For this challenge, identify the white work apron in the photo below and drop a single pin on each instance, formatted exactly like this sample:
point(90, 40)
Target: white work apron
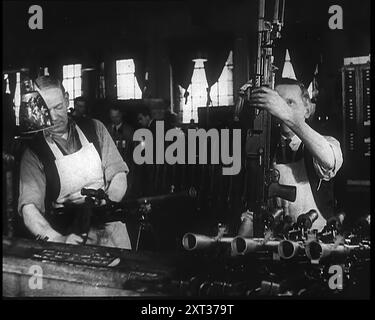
point(83, 169)
point(295, 174)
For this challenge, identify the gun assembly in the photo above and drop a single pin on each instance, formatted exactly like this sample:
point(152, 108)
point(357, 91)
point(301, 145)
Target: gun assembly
point(214, 235)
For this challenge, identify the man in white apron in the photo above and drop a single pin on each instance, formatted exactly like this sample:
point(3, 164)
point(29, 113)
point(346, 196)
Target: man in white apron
point(307, 159)
point(60, 162)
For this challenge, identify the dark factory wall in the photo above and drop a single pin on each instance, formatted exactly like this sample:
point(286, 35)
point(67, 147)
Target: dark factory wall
point(155, 33)
point(90, 32)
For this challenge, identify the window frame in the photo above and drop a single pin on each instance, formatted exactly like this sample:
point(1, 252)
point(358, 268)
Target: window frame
point(189, 110)
point(72, 93)
point(136, 89)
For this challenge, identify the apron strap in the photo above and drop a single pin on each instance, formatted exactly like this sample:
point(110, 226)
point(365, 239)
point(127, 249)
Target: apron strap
point(57, 152)
point(82, 137)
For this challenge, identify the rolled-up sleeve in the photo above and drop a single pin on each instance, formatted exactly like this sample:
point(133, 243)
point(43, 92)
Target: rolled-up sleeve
point(112, 161)
point(327, 174)
point(32, 186)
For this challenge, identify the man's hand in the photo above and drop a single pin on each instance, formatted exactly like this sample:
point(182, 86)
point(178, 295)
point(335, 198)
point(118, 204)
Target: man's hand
point(73, 239)
point(70, 239)
point(267, 99)
point(288, 105)
point(73, 198)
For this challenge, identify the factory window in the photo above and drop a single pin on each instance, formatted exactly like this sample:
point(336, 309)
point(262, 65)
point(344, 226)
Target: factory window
point(72, 81)
point(288, 71)
point(221, 92)
point(17, 98)
point(17, 94)
point(310, 90)
point(197, 93)
point(313, 87)
point(127, 84)
point(6, 82)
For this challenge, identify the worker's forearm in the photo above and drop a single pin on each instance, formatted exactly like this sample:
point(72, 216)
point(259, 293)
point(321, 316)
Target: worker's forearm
point(117, 187)
point(37, 224)
point(315, 143)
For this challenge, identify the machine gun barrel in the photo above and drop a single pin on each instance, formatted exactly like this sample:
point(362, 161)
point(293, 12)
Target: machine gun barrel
point(288, 249)
point(317, 251)
point(191, 193)
point(243, 246)
point(97, 214)
point(193, 241)
point(257, 122)
point(100, 194)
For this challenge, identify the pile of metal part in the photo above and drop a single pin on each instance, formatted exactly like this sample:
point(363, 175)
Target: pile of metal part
point(290, 260)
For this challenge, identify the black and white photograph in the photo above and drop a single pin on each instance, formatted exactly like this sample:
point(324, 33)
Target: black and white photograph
point(200, 152)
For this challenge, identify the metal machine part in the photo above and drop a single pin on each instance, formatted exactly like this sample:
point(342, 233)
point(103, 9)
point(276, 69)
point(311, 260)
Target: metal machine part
point(34, 113)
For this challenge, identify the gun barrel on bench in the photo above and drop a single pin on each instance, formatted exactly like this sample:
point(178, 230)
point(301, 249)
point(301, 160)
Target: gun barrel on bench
point(193, 241)
point(288, 249)
point(316, 250)
point(243, 246)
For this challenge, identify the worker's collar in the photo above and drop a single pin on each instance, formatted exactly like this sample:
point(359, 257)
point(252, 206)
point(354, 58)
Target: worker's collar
point(118, 125)
point(50, 137)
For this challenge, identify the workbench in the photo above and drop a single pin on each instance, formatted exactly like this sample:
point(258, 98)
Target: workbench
point(61, 279)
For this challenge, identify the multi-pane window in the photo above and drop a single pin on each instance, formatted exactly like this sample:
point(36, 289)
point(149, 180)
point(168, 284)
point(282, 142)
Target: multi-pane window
point(221, 92)
point(72, 79)
point(127, 84)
